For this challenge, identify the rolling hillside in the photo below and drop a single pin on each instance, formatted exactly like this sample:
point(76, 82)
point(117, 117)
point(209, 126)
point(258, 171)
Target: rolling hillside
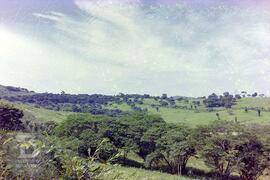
point(183, 111)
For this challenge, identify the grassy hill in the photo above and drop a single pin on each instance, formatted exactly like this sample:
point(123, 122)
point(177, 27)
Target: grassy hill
point(182, 112)
point(202, 116)
point(39, 114)
point(125, 173)
point(118, 172)
point(14, 91)
point(172, 115)
point(258, 102)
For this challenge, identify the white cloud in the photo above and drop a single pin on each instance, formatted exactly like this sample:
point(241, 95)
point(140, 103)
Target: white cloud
point(39, 66)
point(132, 48)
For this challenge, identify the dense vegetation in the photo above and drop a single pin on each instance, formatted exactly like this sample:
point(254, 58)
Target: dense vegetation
point(227, 100)
point(83, 103)
point(85, 146)
point(225, 146)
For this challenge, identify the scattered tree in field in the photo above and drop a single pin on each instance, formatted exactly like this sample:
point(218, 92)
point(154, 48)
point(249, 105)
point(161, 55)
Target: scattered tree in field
point(163, 103)
point(243, 94)
point(246, 109)
point(227, 100)
point(238, 96)
point(164, 96)
point(197, 103)
point(259, 112)
point(212, 101)
point(171, 101)
point(218, 117)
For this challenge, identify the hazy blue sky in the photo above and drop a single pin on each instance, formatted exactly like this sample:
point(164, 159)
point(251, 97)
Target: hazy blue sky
point(181, 47)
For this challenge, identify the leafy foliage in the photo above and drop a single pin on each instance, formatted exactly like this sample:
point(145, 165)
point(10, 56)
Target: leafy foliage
point(174, 148)
point(227, 100)
point(124, 132)
point(10, 118)
point(251, 159)
point(227, 146)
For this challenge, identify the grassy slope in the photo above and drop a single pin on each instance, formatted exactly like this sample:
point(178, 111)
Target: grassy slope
point(5, 92)
point(201, 117)
point(125, 173)
point(254, 103)
point(39, 114)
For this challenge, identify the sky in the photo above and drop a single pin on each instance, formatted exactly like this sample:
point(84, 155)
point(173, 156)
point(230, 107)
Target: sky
point(178, 47)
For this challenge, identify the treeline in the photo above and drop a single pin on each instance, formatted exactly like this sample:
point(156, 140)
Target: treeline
point(74, 103)
point(83, 103)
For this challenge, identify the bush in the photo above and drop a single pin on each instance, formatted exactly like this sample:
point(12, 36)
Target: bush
point(10, 118)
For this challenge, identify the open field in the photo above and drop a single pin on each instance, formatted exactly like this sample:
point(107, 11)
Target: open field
point(259, 102)
point(202, 117)
point(125, 173)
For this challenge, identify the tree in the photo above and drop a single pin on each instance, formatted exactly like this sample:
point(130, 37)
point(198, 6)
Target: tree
point(227, 100)
point(148, 143)
point(244, 94)
point(197, 103)
point(259, 112)
point(213, 101)
point(235, 119)
point(238, 96)
point(251, 159)
point(254, 94)
point(217, 114)
point(216, 144)
point(164, 96)
point(225, 94)
point(164, 103)
point(173, 151)
point(226, 146)
point(220, 155)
